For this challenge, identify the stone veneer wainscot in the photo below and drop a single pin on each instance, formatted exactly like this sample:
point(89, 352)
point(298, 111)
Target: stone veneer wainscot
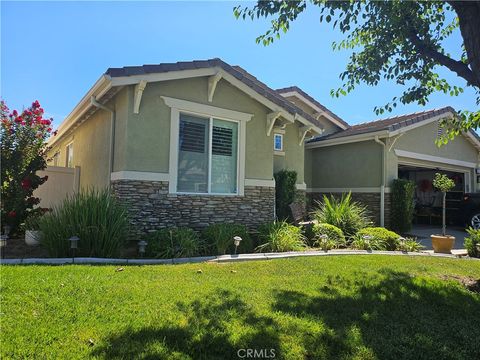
point(151, 207)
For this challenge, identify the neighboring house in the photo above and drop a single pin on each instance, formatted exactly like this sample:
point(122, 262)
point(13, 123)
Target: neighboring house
point(186, 144)
point(194, 143)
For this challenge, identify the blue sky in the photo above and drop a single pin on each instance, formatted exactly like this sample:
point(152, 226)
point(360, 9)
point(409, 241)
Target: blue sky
point(55, 51)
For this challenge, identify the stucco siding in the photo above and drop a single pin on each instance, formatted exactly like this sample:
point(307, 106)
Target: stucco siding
point(346, 165)
point(294, 154)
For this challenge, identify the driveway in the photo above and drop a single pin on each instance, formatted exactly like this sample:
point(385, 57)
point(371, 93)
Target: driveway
point(423, 232)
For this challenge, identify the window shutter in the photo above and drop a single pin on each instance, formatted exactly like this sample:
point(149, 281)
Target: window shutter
point(222, 141)
point(192, 136)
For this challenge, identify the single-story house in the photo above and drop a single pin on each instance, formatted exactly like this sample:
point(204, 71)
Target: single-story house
point(194, 143)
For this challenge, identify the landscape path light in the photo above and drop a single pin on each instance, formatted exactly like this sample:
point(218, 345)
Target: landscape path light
point(74, 245)
point(236, 242)
point(142, 246)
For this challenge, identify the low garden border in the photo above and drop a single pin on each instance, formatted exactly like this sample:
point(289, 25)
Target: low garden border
point(218, 259)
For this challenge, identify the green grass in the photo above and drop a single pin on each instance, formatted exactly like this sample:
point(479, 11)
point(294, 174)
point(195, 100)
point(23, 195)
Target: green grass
point(362, 307)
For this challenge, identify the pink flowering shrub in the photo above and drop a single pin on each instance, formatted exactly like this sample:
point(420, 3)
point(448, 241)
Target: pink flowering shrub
point(23, 149)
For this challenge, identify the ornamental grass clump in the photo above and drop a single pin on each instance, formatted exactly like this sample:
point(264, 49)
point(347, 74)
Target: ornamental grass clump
point(386, 239)
point(219, 239)
point(280, 236)
point(95, 216)
point(344, 213)
point(173, 243)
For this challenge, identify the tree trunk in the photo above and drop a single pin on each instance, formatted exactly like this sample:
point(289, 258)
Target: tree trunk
point(444, 222)
point(468, 13)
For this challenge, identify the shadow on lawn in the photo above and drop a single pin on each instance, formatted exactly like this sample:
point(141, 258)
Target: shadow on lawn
point(209, 327)
point(395, 318)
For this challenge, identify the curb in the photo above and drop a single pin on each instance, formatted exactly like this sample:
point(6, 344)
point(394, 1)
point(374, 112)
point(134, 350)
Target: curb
point(218, 259)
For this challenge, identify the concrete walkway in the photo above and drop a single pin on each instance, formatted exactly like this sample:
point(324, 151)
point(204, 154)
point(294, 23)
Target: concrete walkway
point(423, 232)
point(224, 258)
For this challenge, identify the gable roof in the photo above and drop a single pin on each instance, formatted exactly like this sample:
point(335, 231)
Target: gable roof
point(389, 124)
point(236, 71)
point(295, 89)
point(115, 78)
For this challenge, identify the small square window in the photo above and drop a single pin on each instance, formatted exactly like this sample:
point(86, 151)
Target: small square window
point(69, 156)
point(278, 142)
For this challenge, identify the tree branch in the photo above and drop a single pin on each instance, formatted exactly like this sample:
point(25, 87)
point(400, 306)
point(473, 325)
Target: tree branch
point(460, 68)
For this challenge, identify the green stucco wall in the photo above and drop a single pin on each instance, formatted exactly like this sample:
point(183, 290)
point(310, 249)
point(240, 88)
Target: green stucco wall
point(345, 166)
point(294, 153)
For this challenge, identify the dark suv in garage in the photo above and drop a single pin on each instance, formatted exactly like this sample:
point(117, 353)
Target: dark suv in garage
point(470, 210)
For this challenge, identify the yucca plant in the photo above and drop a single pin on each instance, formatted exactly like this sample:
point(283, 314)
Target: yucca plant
point(344, 213)
point(95, 216)
point(410, 245)
point(280, 236)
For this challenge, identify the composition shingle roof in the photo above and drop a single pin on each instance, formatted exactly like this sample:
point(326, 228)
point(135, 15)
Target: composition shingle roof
point(236, 71)
point(314, 101)
point(390, 124)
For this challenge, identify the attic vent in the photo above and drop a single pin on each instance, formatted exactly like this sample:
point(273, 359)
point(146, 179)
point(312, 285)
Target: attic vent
point(192, 136)
point(439, 130)
point(222, 141)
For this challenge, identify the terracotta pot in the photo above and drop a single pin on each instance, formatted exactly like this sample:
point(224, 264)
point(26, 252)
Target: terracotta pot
point(32, 237)
point(442, 244)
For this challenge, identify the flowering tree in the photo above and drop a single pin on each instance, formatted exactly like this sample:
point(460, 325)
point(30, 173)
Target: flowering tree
point(23, 148)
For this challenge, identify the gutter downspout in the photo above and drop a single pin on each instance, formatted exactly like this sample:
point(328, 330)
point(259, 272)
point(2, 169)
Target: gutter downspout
point(95, 103)
point(382, 186)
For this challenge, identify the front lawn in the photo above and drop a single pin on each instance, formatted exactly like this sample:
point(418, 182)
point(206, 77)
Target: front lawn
point(363, 307)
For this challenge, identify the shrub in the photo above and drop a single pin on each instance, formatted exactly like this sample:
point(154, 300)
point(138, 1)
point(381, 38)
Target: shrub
point(280, 236)
point(219, 239)
point(410, 245)
point(335, 237)
point(403, 192)
point(350, 216)
point(95, 216)
point(472, 242)
point(367, 242)
point(23, 143)
point(285, 186)
point(388, 239)
point(173, 243)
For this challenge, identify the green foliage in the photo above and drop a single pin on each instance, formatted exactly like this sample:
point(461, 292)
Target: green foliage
point(401, 41)
point(32, 222)
point(360, 242)
point(280, 236)
point(335, 237)
point(285, 186)
point(173, 243)
point(472, 242)
point(443, 183)
point(346, 214)
point(23, 147)
point(402, 207)
point(410, 245)
point(386, 238)
point(219, 239)
point(95, 216)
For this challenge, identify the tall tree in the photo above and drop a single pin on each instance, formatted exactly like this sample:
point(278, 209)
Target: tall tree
point(395, 40)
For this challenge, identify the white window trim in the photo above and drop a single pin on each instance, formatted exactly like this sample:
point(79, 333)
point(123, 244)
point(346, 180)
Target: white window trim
point(67, 154)
point(274, 148)
point(178, 106)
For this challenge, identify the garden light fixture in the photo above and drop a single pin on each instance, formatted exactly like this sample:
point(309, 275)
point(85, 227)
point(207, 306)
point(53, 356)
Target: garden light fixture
point(142, 245)
point(73, 245)
point(236, 242)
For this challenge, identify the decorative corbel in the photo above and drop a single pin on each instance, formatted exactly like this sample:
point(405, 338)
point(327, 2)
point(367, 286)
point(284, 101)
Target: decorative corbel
point(271, 117)
point(138, 95)
point(318, 114)
point(302, 132)
point(212, 85)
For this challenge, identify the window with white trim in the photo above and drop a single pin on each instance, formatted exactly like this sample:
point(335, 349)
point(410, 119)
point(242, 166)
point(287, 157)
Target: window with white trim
point(278, 142)
point(207, 155)
point(69, 155)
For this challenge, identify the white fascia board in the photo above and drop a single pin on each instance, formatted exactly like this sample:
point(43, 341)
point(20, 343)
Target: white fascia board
point(101, 86)
point(473, 139)
point(203, 109)
point(436, 159)
point(165, 76)
point(348, 139)
point(312, 126)
point(314, 107)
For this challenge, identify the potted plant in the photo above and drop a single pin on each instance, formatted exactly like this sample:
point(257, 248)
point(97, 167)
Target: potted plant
point(443, 243)
point(32, 229)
